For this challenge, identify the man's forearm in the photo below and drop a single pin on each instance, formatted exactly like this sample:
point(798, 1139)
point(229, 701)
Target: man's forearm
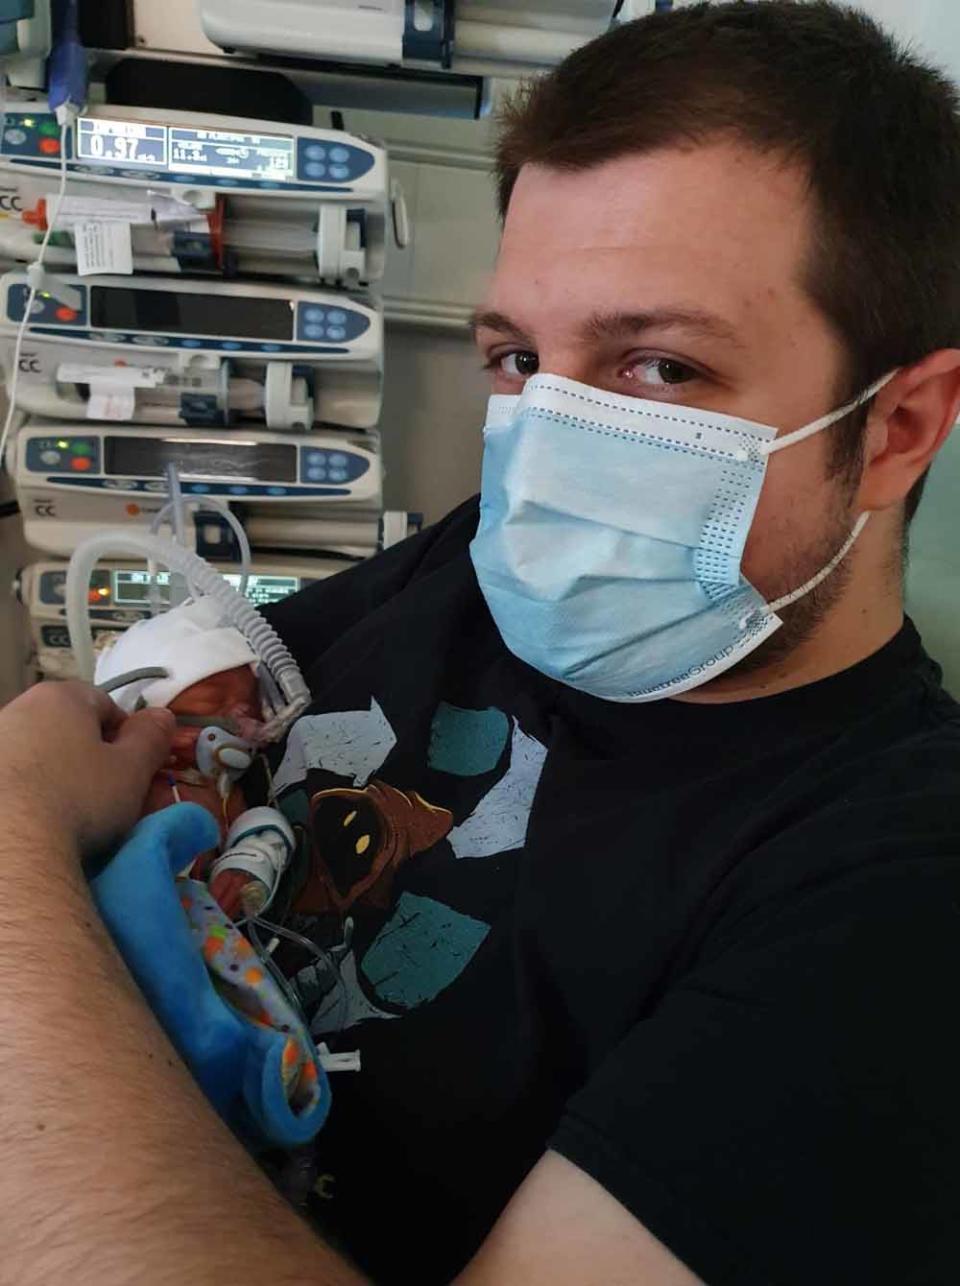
point(113, 1168)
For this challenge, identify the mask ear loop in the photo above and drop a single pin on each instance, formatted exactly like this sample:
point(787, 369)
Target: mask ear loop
point(808, 430)
point(788, 440)
point(771, 609)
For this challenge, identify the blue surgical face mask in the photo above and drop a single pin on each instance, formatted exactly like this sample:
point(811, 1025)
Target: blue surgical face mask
point(611, 535)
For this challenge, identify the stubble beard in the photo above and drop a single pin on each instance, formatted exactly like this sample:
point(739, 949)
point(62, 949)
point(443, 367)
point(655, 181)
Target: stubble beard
point(802, 619)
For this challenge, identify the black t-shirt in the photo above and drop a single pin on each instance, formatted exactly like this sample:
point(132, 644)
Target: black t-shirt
point(711, 954)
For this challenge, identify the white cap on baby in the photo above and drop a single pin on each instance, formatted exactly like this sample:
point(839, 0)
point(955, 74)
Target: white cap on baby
point(188, 641)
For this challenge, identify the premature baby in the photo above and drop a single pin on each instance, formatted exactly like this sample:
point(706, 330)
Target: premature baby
point(211, 685)
point(213, 689)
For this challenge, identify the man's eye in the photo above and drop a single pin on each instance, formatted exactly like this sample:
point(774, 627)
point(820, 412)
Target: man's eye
point(660, 371)
point(519, 365)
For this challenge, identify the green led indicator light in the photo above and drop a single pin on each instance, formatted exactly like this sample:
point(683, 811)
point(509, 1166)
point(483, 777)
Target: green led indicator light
point(62, 443)
point(28, 121)
point(82, 448)
point(49, 127)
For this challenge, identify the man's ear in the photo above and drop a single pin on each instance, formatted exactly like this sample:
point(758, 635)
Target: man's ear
point(908, 423)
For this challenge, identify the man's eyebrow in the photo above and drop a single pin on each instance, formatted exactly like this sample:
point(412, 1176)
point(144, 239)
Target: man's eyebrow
point(619, 325)
point(497, 321)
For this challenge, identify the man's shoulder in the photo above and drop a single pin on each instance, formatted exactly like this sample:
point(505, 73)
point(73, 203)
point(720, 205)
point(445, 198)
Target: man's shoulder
point(312, 620)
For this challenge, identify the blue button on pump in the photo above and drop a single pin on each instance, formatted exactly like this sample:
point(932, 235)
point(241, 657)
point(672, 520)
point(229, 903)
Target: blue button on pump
point(192, 343)
point(231, 344)
point(313, 332)
point(276, 491)
point(336, 332)
point(338, 475)
point(339, 173)
point(238, 491)
point(317, 152)
point(339, 460)
point(336, 316)
point(316, 475)
point(269, 348)
point(313, 314)
point(314, 170)
point(339, 154)
point(197, 488)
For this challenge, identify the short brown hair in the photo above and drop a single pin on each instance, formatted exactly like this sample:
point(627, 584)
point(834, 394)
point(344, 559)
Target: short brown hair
point(877, 131)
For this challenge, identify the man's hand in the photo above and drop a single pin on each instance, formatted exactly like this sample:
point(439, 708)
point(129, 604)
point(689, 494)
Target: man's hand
point(74, 769)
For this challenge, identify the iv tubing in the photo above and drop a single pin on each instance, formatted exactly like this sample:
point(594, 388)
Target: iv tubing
point(236, 526)
point(277, 663)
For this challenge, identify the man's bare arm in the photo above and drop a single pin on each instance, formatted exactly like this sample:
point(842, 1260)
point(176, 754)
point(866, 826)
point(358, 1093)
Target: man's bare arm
point(113, 1168)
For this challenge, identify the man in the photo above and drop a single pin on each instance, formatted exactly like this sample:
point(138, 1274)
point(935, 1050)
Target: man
point(646, 990)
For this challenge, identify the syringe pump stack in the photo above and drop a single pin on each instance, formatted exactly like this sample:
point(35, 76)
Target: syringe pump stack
point(208, 303)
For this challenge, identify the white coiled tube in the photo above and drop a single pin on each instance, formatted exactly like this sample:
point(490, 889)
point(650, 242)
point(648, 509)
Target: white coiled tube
point(289, 694)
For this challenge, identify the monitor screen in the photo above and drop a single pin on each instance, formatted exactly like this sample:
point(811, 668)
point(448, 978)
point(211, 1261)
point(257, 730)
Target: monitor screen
point(143, 457)
point(133, 588)
point(174, 312)
point(223, 153)
point(120, 142)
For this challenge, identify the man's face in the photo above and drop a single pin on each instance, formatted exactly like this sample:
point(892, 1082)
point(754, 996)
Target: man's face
point(676, 276)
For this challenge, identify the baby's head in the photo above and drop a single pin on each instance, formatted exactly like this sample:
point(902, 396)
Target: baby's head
point(211, 673)
point(230, 695)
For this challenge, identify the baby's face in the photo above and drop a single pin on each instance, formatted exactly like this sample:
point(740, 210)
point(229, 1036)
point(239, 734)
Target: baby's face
point(228, 693)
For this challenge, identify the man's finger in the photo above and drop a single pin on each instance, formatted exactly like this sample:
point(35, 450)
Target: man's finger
point(108, 714)
point(143, 743)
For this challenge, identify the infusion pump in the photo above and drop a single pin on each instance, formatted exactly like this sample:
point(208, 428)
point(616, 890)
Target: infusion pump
point(73, 480)
point(201, 193)
point(120, 595)
point(172, 351)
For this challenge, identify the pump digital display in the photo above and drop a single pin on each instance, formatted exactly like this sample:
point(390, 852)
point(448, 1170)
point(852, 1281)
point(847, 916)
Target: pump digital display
point(179, 313)
point(132, 589)
point(243, 156)
point(121, 142)
point(142, 457)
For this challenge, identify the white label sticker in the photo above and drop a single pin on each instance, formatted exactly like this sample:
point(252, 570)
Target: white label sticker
point(103, 247)
point(110, 377)
point(81, 209)
point(168, 211)
point(108, 402)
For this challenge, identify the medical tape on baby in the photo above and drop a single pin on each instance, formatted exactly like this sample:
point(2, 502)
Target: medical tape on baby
point(207, 721)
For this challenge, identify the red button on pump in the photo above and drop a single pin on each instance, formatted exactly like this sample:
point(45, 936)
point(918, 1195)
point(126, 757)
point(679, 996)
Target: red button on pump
point(81, 463)
point(66, 314)
point(51, 146)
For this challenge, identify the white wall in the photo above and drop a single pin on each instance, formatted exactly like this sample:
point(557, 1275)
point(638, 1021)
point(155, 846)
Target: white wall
point(432, 421)
point(933, 573)
point(434, 389)
point(932, 27)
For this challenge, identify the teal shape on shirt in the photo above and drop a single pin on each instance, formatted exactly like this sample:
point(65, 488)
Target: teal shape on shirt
point(466, 743)
point(421, 951)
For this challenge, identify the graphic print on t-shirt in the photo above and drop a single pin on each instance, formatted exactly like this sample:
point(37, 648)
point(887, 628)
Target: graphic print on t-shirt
point(368, 947)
